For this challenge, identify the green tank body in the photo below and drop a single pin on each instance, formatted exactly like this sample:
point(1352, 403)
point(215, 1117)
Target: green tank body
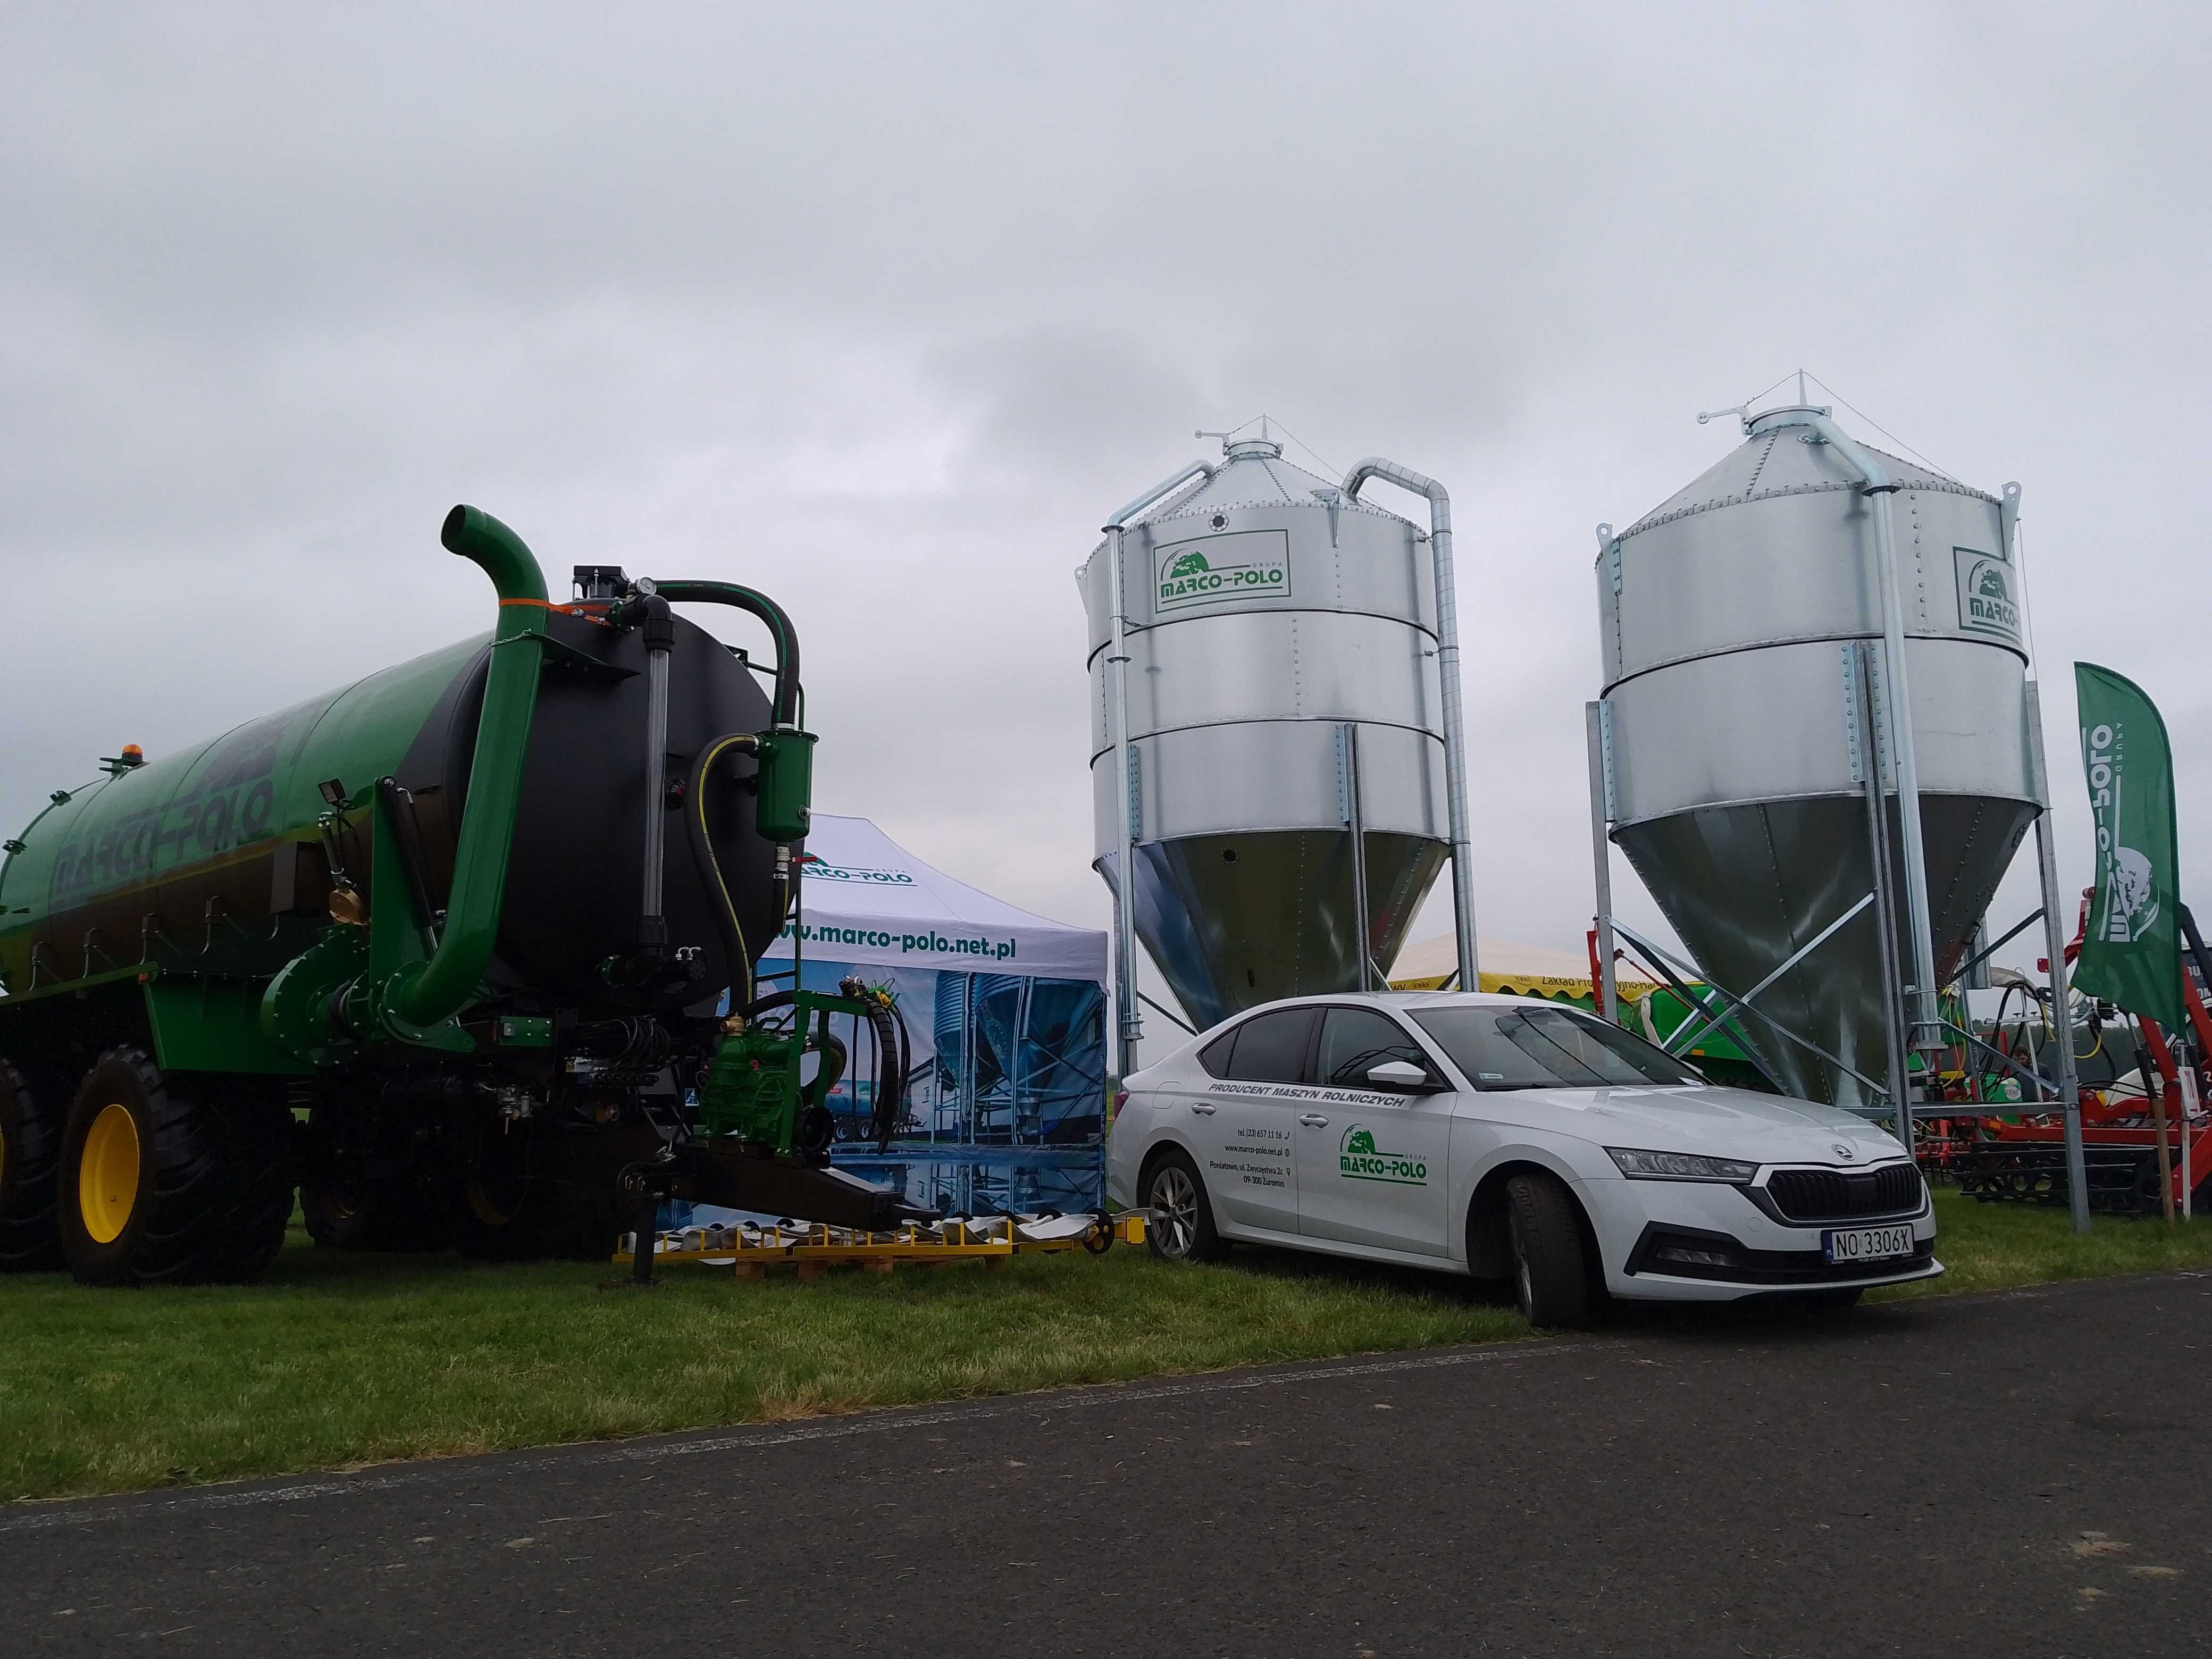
point(205, 827)
point(446, 951)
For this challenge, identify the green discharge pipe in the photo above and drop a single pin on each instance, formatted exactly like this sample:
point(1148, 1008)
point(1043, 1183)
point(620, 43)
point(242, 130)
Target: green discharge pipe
point(443, 987)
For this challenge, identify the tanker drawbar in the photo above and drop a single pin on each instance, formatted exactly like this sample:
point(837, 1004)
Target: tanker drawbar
point(467, 952)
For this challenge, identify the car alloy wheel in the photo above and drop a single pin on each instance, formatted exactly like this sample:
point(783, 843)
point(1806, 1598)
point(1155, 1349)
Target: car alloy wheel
point(1174, 1212)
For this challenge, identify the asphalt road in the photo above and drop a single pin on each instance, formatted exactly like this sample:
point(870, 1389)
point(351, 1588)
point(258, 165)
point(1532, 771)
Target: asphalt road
point(2000, 1474)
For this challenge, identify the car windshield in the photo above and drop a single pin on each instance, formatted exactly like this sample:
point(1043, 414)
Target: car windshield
point(1547, 1048)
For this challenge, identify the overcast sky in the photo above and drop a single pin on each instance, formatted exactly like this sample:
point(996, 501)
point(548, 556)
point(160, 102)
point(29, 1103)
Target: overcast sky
point(882, 308)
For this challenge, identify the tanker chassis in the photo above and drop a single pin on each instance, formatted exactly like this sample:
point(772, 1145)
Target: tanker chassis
point(446, 952)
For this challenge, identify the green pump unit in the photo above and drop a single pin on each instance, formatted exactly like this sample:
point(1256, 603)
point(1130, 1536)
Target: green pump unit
point(467, 952)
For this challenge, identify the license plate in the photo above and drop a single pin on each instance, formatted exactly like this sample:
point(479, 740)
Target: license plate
point(1845, 1245)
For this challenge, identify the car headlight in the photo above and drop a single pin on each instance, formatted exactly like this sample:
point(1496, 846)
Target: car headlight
point(1677, 1166)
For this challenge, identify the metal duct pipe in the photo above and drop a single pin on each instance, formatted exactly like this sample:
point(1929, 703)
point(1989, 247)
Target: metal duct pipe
point(1875, 481)
point(1129, 1025)
point(1440, 545)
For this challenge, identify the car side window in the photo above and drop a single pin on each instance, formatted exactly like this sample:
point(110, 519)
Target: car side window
point(1272, 1047)
point(1214, 1057)
point(1352, 1040)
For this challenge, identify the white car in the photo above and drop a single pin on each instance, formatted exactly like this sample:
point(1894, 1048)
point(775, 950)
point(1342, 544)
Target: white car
point(1509, 1138)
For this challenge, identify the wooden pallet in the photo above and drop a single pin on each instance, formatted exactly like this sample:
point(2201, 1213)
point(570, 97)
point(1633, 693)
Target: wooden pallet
point(811, 1252)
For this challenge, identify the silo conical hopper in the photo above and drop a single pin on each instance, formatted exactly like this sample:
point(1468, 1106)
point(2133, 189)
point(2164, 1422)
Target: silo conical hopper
point(1731, 619)
point(1283, 688)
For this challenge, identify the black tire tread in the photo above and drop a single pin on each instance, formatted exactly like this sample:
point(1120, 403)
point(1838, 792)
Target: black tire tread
point(264, 1180)
point(208, 1185)
point(1545, 1232)
point(33, 1109)
point(394, 1216)
point(556, 1220)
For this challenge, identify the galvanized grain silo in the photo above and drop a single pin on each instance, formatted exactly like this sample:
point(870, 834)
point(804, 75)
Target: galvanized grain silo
point(1283, 779)
point(1741, 623)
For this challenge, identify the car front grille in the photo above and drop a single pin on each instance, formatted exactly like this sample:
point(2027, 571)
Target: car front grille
point(1846, 1194)
point(1683, 1253)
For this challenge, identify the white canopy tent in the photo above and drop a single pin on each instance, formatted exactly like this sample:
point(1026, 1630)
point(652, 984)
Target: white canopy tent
point(867, 900)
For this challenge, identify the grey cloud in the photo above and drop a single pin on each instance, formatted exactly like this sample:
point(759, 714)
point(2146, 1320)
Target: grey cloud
point(883, 307)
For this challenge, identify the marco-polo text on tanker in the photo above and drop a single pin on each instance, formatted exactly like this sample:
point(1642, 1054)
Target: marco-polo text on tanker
point(446, 949)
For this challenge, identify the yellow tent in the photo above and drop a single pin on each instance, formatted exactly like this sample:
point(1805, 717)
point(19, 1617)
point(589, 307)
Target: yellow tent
point(1518, 970)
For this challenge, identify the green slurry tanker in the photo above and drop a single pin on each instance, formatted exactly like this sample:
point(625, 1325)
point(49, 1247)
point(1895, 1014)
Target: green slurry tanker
point(464, 953)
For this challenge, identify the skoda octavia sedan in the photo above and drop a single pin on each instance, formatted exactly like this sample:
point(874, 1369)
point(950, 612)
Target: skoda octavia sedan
point(1511, 1140)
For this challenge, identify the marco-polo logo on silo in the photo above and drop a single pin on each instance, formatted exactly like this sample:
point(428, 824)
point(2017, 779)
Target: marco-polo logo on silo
point(1987, 603)
point(1244, 564)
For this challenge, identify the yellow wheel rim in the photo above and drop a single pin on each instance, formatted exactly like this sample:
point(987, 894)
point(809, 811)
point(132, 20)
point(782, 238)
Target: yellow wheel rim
point(488, 1209)
point(108, 1176)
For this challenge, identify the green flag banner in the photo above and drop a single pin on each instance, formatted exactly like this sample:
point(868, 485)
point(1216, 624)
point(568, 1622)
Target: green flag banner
point(2131, 948)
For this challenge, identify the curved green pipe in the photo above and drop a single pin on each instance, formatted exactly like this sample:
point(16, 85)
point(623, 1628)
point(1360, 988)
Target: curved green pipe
point(443, 987)
point(754, 602)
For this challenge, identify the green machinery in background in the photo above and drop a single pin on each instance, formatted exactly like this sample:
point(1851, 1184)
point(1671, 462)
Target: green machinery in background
point(464, 952)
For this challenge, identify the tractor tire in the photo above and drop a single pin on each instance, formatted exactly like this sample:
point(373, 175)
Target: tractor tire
point(264, 1179)
point(32, 1117)
point(373, 1215)
point(589, 1223)
point(496, 1221)
point(155, 1186)
point(1551, 1268)
point(543, 1220)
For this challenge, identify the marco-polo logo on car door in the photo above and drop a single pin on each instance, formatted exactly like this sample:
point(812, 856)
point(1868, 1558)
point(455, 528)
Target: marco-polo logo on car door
point(1243, 564)
point(1360, 1158)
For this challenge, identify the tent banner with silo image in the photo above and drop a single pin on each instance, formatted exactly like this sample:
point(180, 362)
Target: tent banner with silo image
point(1004, 1013)
point(2131, 948)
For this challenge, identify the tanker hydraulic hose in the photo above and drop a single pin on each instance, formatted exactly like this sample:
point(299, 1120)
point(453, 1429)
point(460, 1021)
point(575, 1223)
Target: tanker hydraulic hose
point(727, 925)
point(756, 604)
point(443, 987)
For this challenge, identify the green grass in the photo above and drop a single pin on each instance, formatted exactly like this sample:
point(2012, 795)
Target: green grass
point(337, 1361)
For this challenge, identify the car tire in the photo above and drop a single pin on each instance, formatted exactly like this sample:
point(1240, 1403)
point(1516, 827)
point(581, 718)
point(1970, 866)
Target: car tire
point(1181, 1227)
point(1550, 1266)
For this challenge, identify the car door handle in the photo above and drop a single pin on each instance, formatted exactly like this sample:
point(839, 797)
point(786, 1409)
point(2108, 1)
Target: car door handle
point(1314, 1121)
point(1202, 1108)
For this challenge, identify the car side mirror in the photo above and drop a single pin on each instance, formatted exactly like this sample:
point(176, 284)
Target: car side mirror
point(1398, 1074)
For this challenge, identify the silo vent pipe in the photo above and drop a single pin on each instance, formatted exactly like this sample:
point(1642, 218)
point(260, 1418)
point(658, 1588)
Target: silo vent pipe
point(1440, 546)
point(1129, 1024)
point(1926, 1028)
